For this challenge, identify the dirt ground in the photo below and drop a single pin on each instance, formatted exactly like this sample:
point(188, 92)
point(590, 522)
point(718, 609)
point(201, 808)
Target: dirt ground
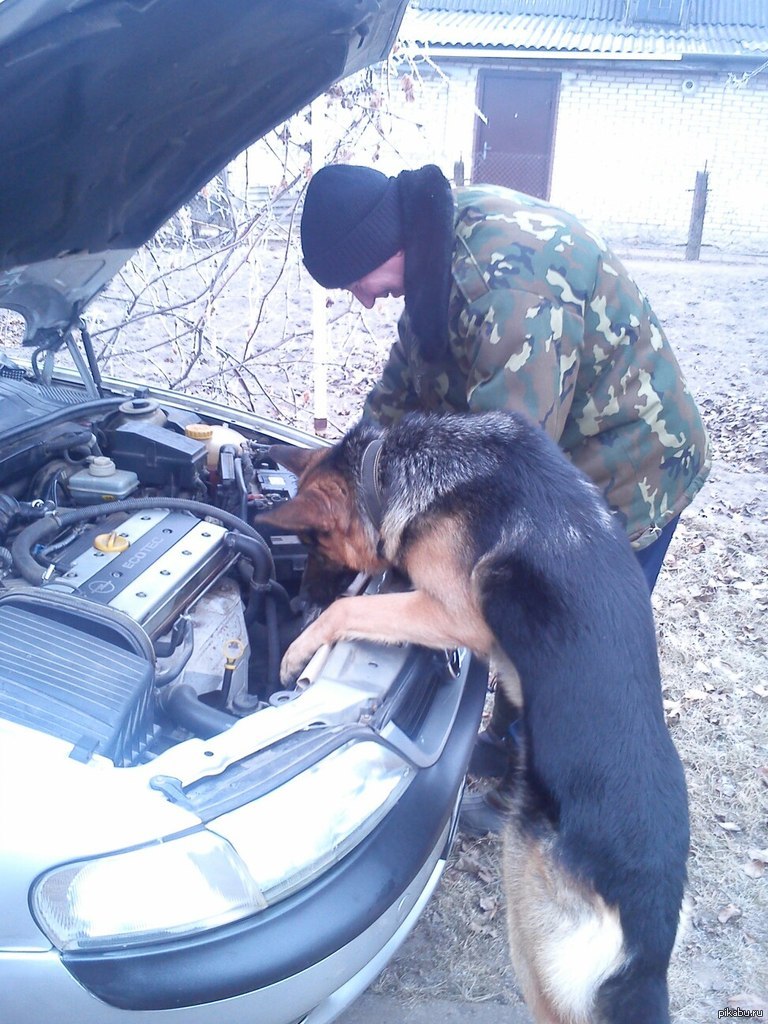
point(710, 601)
point(710, 606)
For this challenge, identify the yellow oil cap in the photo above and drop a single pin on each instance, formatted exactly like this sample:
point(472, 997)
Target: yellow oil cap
point(111, 542)
point(199, 431)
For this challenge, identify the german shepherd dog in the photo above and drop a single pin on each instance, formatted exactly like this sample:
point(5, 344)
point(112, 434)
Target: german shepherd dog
point(512, 553)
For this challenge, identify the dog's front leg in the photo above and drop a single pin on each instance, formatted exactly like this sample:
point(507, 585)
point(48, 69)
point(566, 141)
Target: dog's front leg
point(411, 617)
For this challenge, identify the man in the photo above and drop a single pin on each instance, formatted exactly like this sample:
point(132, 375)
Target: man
point(511, 303)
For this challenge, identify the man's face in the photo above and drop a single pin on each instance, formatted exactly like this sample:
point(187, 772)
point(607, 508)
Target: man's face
point(388, 279)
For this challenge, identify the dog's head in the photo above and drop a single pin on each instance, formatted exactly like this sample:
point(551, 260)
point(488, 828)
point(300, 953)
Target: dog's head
point(324, 514)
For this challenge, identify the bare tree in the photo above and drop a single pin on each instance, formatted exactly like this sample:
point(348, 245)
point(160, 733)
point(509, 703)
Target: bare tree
point(217, 303)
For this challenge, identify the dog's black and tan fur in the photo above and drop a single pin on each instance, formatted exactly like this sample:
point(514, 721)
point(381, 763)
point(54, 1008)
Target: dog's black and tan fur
point(512, 553)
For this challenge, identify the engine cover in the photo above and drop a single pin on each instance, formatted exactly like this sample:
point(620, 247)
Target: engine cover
point(153, 566)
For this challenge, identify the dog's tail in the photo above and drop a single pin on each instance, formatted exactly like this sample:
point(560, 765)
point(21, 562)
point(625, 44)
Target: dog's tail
point(578, 958)
point(651, 908)
point(637, 994)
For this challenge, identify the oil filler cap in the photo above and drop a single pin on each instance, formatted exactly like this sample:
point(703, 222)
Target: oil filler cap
point(199, 431)
point(111, 543)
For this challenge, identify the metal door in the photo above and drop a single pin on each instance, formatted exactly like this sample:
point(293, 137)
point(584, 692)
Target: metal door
point(515, 147)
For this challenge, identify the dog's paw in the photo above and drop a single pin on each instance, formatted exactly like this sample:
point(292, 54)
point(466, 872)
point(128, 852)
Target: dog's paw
point(315, 636)
point(294, 661)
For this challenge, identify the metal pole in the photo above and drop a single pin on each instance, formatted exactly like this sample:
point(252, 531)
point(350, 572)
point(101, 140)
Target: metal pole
point(319, 308)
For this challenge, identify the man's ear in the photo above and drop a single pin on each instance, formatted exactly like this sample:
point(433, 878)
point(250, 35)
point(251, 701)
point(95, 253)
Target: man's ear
point(294, 459)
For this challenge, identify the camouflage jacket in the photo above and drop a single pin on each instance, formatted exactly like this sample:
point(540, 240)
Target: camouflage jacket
point(543, 319)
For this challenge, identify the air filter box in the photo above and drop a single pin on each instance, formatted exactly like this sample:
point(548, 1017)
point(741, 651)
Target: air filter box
point(76, 671)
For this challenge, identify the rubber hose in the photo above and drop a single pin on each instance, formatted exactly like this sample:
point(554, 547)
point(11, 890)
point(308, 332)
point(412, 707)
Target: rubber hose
point(180, 703)
point(258, 554)
point(273, 645)
point(177, 662)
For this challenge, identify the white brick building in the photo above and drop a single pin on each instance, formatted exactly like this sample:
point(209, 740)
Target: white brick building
point(639, 101)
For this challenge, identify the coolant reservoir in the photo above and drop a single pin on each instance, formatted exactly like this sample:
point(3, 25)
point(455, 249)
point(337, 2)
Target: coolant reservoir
point(144, 409)
point(101, 481)
point(213, 436)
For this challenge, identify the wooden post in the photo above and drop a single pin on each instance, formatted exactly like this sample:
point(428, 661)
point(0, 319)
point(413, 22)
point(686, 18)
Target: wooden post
point(696, 228)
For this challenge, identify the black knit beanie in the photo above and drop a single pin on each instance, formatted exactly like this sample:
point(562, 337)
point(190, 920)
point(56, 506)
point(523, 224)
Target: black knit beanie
point(351, 223)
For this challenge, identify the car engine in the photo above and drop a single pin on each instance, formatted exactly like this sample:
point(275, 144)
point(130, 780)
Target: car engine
point(139, 605)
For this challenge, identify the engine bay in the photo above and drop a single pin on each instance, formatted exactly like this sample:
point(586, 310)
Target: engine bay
point(139, 604)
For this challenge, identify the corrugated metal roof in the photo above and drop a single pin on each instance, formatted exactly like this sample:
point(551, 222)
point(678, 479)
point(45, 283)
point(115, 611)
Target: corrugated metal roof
point(696, 12)
point(596, 35)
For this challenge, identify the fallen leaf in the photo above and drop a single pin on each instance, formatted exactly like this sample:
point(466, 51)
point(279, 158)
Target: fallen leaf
point(480, 927)
point(725, 670)
point(729, 913)
point(468, 864)
point(754, 868)
point(761, 855)
point(730, 826)
point(672, 709)
point(694, 695)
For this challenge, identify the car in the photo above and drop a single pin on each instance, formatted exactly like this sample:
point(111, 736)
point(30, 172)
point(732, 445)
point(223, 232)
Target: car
point(182, 838)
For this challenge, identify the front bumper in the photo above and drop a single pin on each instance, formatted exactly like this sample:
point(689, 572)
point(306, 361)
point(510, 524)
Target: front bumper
point(307, 957)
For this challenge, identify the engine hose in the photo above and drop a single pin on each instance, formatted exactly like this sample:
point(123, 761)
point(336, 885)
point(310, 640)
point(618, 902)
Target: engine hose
point(42, 531)
point(255, 609)
point(43, 480)
point(262, 603)
point(9, 509)
point(262, 606)
point(73, 439)
point(177, 662)
point(182, 706)
point(240, 477)
point(257, 553)
point(272, 644)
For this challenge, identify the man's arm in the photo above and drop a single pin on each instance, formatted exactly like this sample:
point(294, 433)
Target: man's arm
point(525, 352)
point(394, 394)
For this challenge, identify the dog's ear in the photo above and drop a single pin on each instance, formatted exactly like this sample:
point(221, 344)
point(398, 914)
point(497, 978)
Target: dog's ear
point(294, 459)
point(307, 512)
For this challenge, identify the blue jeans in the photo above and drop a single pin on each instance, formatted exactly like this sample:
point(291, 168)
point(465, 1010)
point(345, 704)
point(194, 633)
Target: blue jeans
point(651, 558)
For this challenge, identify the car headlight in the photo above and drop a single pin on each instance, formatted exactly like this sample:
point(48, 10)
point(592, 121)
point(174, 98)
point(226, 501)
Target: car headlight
point(292, 834)
point(242, 862)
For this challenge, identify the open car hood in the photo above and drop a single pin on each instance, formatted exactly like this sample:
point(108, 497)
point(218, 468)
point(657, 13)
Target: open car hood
point(115, 113)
